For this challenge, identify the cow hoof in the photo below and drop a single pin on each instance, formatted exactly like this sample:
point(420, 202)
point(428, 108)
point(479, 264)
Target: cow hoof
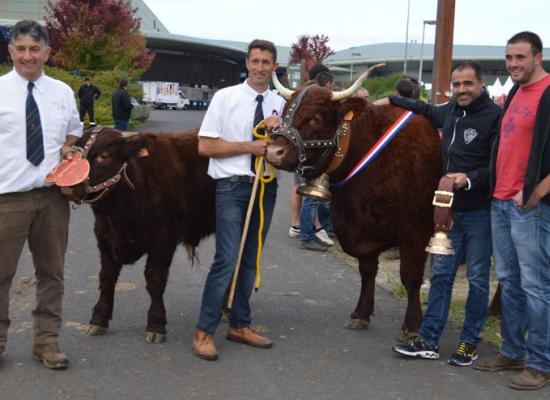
point(155, 337)
point(357, 324)
point(96, 330)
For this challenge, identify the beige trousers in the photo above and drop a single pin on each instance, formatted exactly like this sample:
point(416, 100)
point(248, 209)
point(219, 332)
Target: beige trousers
point(40, 216)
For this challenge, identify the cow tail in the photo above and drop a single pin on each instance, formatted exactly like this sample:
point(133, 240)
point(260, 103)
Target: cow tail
point(192, 254)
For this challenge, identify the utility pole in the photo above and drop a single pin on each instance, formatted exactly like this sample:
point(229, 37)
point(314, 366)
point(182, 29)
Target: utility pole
point(443, 52)
point(407, 38)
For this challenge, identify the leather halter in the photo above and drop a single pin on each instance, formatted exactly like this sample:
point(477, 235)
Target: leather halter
point(293, 136)
point(104, 187)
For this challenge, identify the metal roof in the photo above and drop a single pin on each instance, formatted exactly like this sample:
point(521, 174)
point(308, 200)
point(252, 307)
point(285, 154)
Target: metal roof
point(381, 52)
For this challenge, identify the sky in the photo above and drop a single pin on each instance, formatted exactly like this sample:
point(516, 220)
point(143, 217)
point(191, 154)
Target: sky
point(351, 23)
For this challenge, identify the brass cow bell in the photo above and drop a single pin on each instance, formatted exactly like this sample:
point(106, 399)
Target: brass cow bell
point(440, 244)
point(317, 188)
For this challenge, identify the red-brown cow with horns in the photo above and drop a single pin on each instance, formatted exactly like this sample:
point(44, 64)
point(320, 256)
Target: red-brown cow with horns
point(388, 203)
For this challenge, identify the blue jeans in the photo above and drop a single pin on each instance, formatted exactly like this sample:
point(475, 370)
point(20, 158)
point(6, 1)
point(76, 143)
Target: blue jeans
point(471, 237)
point(121, 124)
point(310, 207)
point(231, 205)
point(521, 239)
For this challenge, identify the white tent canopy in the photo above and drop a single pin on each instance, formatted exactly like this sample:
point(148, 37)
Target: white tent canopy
point(496, 89)
point(508, 85)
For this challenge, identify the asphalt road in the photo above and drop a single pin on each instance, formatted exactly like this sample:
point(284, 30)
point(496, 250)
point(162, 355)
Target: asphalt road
point(303, 304)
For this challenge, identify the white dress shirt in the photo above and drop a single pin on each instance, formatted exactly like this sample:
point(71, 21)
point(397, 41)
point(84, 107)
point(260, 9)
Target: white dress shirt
point(58, 115)
point(230, 116)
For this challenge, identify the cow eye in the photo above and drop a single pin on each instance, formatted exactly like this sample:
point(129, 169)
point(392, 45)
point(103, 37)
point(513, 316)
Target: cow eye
point(316, 121)
point(102, 157)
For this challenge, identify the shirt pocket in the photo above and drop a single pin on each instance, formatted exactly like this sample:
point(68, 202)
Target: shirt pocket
point(12, 120)
point(55, 120)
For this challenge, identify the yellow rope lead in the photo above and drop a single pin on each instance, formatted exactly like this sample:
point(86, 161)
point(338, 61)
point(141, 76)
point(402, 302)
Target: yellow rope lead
point(259, 169)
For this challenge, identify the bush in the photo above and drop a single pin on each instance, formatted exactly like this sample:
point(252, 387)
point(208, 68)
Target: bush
point(141, 112)
point(107, 83)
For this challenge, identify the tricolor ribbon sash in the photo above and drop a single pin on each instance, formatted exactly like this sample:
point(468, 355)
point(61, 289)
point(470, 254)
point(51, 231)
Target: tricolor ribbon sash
point(378, 146)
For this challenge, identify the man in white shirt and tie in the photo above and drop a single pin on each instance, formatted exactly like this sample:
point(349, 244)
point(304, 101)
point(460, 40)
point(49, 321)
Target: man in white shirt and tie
point(39, 122)
point(226, 137)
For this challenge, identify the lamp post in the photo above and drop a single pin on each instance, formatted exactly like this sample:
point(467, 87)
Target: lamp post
point(407, 39)
point(427, 22)
point(351, 65)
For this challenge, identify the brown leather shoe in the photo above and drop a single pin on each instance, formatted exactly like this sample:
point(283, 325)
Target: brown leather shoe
point(50, 355)
point(498, 362)
point(248, 336)
point(530, 379)
point(204, 346)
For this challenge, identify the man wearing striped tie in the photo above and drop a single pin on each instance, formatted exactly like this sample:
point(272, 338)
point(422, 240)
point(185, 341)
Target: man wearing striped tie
point(39, 123)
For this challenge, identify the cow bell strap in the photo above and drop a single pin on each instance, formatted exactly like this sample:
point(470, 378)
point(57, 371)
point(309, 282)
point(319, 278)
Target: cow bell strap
point(343, 135)
point(443, 202)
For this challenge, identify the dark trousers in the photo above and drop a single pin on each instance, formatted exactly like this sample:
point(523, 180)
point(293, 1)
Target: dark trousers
point(41, 218)
point(231, 206)
point(87, 108)
point(121, 124)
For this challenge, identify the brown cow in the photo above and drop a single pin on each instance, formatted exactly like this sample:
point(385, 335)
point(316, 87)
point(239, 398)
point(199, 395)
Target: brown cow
point(149, 193)
point(387, 204)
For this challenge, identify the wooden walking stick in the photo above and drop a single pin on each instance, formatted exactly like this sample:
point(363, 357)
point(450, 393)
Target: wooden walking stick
point(244, 234)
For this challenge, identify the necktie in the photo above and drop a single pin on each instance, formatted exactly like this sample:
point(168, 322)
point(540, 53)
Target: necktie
point(35, 141)
point(258, 117)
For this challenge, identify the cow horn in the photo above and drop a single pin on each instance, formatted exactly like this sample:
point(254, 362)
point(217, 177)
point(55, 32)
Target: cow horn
point(283, 91)
point(344, 94)
point(127, 134)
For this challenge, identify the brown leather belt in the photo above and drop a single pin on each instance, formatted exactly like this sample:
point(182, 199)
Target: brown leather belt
point(443, 202)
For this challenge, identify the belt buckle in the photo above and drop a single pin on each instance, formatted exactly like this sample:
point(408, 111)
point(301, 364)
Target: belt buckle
point(437, 203)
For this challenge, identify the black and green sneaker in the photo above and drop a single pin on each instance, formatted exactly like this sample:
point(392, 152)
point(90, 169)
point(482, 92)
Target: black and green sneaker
point(464, 355)
point(416, 347)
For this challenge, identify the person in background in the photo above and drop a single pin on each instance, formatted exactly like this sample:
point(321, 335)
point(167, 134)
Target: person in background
point(39, 124)
point(121, 104)
point(362, 93)
point(295, 207)
point(315, 216)
point(87, 94)
point(405, 88)
point(520, 213)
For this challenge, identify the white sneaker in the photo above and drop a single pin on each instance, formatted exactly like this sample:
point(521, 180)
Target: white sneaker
point(322, 236)
point(294, 231)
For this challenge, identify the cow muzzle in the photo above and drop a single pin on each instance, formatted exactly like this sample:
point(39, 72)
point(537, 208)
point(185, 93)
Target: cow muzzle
point(276, 155)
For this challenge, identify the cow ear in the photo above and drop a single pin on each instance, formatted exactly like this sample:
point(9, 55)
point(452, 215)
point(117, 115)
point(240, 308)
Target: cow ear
point(136, 146)
point(354, 104)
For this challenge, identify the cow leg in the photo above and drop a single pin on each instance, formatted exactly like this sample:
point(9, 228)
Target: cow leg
point(360, 317)
point(411, 273)
point(103, 310)
point(156, 276)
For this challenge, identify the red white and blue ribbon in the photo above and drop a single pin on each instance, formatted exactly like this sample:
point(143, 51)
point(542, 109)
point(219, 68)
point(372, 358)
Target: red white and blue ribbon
point(378, 146)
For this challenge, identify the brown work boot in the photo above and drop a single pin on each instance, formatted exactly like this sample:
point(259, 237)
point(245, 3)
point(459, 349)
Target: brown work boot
point(50, 355)
point(530, 379)
point(204, 346)
point(498, 362)
point(2, 349)
point(248, 336)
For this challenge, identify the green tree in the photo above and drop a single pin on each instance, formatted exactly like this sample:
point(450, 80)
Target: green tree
point(97, 35)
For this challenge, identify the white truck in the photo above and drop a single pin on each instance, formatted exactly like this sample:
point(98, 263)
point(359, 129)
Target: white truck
point(164, 95)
